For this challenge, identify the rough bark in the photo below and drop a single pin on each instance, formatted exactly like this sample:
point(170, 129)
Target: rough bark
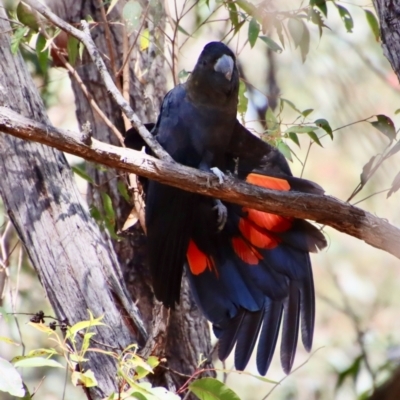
point(146, 94)
point(388, 12)
point(324, 209)
point(389, 18)
point(75, 263)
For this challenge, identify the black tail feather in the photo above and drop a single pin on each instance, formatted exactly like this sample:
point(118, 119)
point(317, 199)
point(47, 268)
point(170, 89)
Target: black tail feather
point(247, 338)
point(290, 328)
point(269, 335)
point(307, 308)
point(229, 335)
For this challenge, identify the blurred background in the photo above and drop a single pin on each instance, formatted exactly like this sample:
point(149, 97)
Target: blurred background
point(345, 79)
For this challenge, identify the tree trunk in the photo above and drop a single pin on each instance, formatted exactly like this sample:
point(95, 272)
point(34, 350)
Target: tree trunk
point(389, 18)
point(388, 12)
point(76, 264)
point(187, 333)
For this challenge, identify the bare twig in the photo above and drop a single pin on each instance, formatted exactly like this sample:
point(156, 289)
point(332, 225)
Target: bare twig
point(295, 370)
point(87, 40)
point(88, 95)
point(108, 38)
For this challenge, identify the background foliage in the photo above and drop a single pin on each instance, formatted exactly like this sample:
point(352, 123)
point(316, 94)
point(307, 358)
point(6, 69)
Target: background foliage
point(321, 64)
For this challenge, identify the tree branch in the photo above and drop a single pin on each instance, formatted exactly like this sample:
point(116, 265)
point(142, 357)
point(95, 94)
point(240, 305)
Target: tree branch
point(87, 40)
point(327, 210)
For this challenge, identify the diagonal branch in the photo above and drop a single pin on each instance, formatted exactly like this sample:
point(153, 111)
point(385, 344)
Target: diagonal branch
point(86, 39)
point(327, 210)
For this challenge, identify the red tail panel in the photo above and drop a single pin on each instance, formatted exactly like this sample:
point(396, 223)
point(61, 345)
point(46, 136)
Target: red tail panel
point(272, 222)
point(247, 253)
point(258, 238)
point(268, 182)
point(198, 261)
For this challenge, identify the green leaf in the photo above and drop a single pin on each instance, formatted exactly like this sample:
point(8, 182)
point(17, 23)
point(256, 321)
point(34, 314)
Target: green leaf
point(86, 341)
point(79, 326)
point(86, 379)
point(352, 372)
point(294, 137)
point(324, 124)
point(27, 17)
point(131, 14)
point(145, 40)
point(279, 30)
point(247, 7)
point(321, 4)
point(346, 18)
point(397, 111)
point(365, 174)
point(301, 129)
point(271, 44)
point(316, 18)
point(139, 396)
point(37, 362)
point(182, 75)
point(307, 112)
point(395, 149)
point(153, 361)
point(8, 341)
point(233, 15)
point(395, 185)
point(35, 354)
point(17, 38)
point(296, 30)
point(284, 149)
point(80, 172)
point(11, 381)
point(123, 191)
point(149, 392)
point(41, 352)
point(254, 30)
point(180, 29)
point(373, 24)
point(305, 42)
point(385, 125)
point(41, 327)
point(271, 121)
point(108, 207)
point(76, 358)
point(212, 389)
point(96, 214)
point(315, 138)
point(72, 49)
point(243, 100)
point(42, 53)
point(157, 11)
point(290, 104)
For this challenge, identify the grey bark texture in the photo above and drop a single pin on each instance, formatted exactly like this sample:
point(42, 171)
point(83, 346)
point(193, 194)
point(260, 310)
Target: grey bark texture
point(78, 265)
point(146, 94)
point(388, 12)
point(75, 263)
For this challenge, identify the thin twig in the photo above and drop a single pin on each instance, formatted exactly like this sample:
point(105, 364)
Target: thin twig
point(128, 52)
point(295, 370)
point(108, 39)
point(85, 37)
point(85, 91)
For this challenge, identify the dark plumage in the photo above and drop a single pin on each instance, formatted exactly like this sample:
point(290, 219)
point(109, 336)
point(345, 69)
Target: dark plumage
point(257, 269)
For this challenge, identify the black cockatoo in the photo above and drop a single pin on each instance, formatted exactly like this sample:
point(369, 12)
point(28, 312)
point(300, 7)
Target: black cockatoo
point(252, 271)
